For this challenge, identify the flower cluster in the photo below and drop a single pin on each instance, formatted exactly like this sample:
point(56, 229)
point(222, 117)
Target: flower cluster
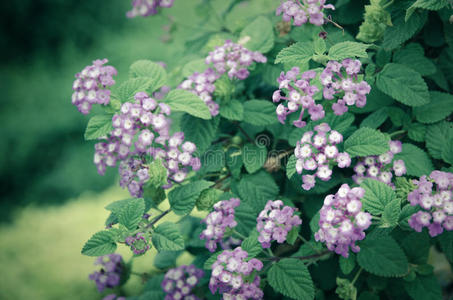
point(341, 80)
point(138, 243)
point(381, 167)
point(179, 282)
point(146, 8)
point(304, 11)
point(299, 93)
point(274, 222)
point(90, 86)
point(141, 129)
point(113, 297)
point(342, 221)
point(231, 275)
point(218, 221)
point(202, 85)
point(436, 203)
point(110, 274)
point(231, 58)
point(319, 153)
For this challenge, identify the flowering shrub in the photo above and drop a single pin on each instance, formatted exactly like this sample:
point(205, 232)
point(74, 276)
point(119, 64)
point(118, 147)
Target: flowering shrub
point(355, 139)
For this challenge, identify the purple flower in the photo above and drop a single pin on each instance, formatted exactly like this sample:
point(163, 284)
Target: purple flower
point(274, 222)
point(342, 221)
point(218, 221)
point(232, 275)
point(139, 243)
point(434, 195)
point(340, 80)
point(302, 11)
point(113, 297)
point(179, 282)
point(319, 153)
point(146, 8)
point(90, 86)
point(109, 275)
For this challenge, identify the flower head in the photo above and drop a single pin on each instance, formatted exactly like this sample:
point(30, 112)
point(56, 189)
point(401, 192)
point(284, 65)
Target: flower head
point(109, 275)
point(146, 8)
point(139, 243)
point(301, 12)
point(179, 282)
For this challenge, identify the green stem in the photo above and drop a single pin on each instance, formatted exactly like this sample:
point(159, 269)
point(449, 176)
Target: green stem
point(357, 275)
point(269, 251)
point(309, 244)
point(397, 132)
point(242, 237)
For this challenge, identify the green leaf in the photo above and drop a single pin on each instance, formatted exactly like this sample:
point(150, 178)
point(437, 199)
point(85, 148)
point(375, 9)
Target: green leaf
point(193, 66)
point(426, 4)
point(101, 243)
point(375, 119)
point(377, 196)
point(291, 278)
point(200, 132)
point(148, 69)
point(183, 198)
point(391, 214)
point(256, 189)
point(416, 246)
point(260, 112)
point(440, 107)
point(416, 160)
point(446, 244)
point(185, 101)
point(367, 141)
point(232, 110)
point(127, 90)
point(245, 216)
point(166, 259)
point(407, 211)
point(251, 245)
point(298, 53)
point(424, 288)
point(259, 35)
point(207, 265)
point(291, 166)
point(447, 150)
point(254, 157)
point(131, 213)
point(417, 132)
point(413, 56)
point(347, 264)
point(344, 50)
point(380, 255)
point(157, 173)
point(404, 84)
point(98, 126)
point(166, 237)
point(319, 46)
point(437, 136)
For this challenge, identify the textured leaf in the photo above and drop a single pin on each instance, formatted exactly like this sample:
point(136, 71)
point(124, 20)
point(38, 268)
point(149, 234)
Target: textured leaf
point(366, 141)
point(391, 214)
point(297, 53)
point(446, 244)
point(185, 101)
point(437, 136)
point(403, 84)
point(416, 160)
point(198, 65)
point(416, 246)
point(260, 112)
point(256, 189)
point(166, 259)
point(447, 150)
point(148, 69)
point(200, 132)
point(232, 110)
point(291, 166)
point(166, 237)
point(426, 4)
point(245, 216)
point(344, 50)
point(127, 90)
point(377, 196)
point(413, 57)
point(131, 213)
point(261, 35)
point(183, 198)
point(291, 278)
point(375, 119)
point(254, 157)
point(101, 243)
point(347, 264)
point(381, 255)
point(424, 288)
point(251, 244)
point(440, 107)
point(417, 132)
point(211, 260)
point(98, 126)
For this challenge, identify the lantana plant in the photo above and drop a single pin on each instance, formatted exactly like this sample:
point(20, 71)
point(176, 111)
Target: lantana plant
point(305, 154)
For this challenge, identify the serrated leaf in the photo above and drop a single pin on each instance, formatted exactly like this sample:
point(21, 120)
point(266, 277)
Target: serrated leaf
point(127, 90)
point(403, 84)
point(183, 198)
point(198, 65)
point(256, 189)
point(245, 216)
point(98, 126)
point(291, 166)
point(260, 112)
point(232, 110)
point(148, 69)
point(375, 119)
point(253, 157)
point(380, 255)
point(298, 53)
point(426, 4)
point(208, 263)
point(166, 237)
point(157, 173)
point(446, 244)
point(260, 34)
point(131, 213)
point(200, 132)
point(348, 49)
point(413, 56)
point(447, 150)
point(166, 259)
point(436, 137)
point(347, 264)
point(185, 101)
point(319, 46)
point(291, 278)
point(424, 288)
point(417, 132)
point(251, 245)
point(377, 196)
point(367, 141)
point(407, 211)
point(416, 246)
point(101, 243)
point(416, 160)
point(440, 107)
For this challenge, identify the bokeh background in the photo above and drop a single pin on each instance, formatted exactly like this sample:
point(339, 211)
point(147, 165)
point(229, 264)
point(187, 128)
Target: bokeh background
point(52, 198)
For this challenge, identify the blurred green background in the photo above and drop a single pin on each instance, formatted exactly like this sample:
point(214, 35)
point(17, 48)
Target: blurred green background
point(52, 197)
